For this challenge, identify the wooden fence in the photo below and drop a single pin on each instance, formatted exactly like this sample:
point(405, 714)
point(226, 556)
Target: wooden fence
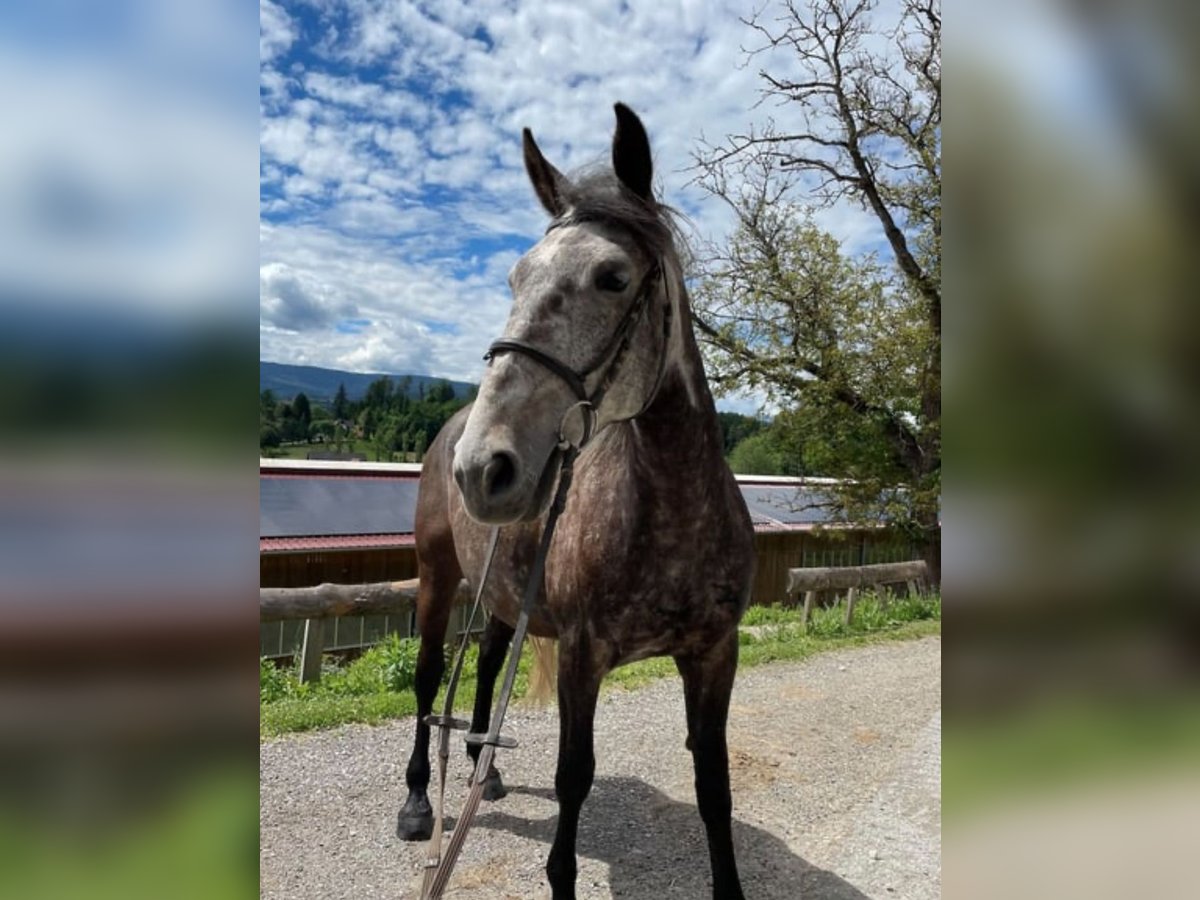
point(914, 574)
point(317, 604)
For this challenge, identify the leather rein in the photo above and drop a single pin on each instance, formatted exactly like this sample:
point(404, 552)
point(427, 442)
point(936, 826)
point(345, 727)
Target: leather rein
point(439, 866)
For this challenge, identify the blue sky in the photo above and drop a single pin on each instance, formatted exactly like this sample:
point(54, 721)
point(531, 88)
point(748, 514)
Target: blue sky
point(393, 198)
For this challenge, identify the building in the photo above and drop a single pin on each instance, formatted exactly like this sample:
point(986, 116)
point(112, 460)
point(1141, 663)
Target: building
point(352, 523)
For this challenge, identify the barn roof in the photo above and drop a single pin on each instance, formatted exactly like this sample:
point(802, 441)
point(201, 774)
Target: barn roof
point(320, 505)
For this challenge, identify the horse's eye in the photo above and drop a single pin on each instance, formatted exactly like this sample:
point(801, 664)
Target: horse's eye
point(612, 280)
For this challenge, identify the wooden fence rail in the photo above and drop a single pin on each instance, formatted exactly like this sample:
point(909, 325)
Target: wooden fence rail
point(915, 574)
point(326, 601)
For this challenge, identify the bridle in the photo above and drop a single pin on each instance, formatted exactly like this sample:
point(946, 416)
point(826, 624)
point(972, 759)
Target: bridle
point(438, 867)
point(608, 360)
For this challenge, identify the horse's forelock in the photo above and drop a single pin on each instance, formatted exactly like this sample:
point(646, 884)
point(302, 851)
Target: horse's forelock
point(596, 195)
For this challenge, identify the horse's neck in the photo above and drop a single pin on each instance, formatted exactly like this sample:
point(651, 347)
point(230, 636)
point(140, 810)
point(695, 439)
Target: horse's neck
point(680, 428)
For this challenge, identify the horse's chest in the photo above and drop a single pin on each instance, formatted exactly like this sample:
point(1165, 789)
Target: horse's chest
point(653, 584)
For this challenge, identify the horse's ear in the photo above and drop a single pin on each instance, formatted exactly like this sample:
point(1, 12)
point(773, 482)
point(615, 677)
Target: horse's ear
point(547, 180)
point(631, 152)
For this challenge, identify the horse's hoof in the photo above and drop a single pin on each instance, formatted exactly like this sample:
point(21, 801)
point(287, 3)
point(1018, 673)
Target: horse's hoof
point(415, 821)
point(414, 829)
point(493, 787)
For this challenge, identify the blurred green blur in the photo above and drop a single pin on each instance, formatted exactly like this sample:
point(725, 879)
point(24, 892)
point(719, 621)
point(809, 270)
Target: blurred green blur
point(1071, 526)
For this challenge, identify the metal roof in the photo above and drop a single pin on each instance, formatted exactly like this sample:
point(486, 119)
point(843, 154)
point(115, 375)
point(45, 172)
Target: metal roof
point(784, 505)
point(296, 505)
point(312, 506)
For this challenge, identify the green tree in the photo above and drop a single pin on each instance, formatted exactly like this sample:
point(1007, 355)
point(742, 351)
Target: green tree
point(383, 443)
point(850, 349)
point(302, 411)
point(341, 404)
point(267, 402)
point(440, 392)
point(735, 428)
point(756, 455)
point(268, 437)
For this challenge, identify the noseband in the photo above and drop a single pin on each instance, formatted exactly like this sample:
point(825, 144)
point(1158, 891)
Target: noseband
point(612, 354)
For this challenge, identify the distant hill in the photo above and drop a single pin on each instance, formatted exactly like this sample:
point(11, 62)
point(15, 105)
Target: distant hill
point(321, 384)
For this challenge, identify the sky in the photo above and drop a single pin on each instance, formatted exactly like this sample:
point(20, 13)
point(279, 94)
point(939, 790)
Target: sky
point(393, 196)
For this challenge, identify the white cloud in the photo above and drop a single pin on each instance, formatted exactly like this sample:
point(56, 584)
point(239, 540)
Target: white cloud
point(392, 182)
point(276, 30)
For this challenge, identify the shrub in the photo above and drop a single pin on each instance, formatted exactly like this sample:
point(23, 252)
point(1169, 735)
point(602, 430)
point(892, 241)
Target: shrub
point(273, 682)
point(397, 658)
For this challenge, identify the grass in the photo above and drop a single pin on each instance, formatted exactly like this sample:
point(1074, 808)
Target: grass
point(378, 685)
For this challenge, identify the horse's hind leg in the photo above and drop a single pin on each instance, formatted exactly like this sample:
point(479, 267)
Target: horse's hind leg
point(497, 637)
point(440, 575)
point(707, 684)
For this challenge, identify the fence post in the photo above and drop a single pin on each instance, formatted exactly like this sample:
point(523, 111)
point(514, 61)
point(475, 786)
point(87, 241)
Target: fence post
point(851, 597)
point(310, 655)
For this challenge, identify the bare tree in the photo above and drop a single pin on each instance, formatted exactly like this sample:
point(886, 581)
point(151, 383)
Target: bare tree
point(848, 349)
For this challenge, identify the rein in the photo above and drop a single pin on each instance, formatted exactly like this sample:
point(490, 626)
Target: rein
point(438, 867)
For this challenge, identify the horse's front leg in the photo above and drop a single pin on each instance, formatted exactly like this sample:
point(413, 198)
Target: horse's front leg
point(578, 687)
point(492, 649)
point(707, 685)
point(434, 599)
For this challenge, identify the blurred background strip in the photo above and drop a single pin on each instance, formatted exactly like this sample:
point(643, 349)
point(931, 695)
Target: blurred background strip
point(128, 492)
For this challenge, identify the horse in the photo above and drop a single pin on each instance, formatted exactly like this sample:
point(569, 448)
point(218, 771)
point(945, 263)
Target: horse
point(653, 553)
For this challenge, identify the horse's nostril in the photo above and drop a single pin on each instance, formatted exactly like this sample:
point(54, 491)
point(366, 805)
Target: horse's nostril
point(499, 474)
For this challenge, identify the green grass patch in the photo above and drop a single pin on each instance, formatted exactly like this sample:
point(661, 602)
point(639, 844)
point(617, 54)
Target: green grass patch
point(378, 685)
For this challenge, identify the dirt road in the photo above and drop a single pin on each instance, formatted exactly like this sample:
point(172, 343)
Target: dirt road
point(836, 793)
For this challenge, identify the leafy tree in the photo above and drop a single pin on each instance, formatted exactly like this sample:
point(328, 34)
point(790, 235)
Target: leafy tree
point(383, 443)
point(266, 404)
point(756, 455)
point(735, 428)
point(440, 392)
point(341, 404)
point(379, 394)
point(850, 349)
point(302, 411)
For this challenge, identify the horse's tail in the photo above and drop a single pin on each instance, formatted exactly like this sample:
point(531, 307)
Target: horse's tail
point(543, 674)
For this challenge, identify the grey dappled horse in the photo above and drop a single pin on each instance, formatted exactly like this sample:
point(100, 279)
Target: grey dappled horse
point(653, 554)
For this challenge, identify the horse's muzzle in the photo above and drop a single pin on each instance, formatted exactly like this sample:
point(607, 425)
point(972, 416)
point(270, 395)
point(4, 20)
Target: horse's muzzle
point(497, 489)
point(494, 488)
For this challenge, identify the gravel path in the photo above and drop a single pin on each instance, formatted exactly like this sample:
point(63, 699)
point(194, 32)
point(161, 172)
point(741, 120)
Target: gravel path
point(836, 793)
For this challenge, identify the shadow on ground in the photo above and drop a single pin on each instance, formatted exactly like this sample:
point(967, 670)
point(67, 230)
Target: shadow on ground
point(655, 847)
